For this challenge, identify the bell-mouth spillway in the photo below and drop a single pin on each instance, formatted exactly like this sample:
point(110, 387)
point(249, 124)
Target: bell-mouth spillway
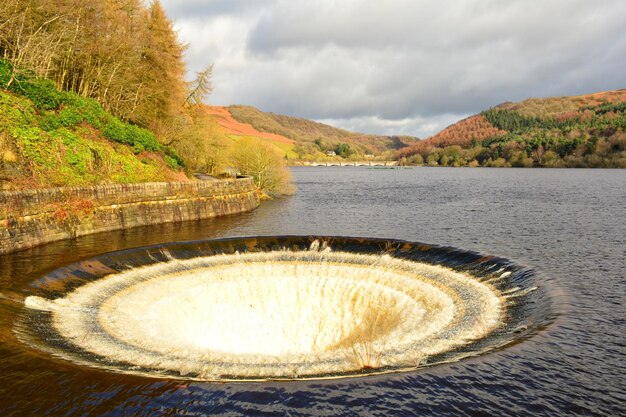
point(282, 308)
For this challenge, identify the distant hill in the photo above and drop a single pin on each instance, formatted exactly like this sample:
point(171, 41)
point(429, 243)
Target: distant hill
point(579, 131)
point(313, 139)
point(564, 107)
point(223, 117)
point(295, 128)
point(232, 132)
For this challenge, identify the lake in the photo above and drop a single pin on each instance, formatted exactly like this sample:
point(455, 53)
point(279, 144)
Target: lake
point(567, 224)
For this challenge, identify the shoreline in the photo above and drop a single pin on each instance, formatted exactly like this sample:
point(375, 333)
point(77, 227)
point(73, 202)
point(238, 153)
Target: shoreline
point(31, 218)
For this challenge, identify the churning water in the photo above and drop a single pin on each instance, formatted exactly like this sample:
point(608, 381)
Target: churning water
point(86, 345)
point(204, 311)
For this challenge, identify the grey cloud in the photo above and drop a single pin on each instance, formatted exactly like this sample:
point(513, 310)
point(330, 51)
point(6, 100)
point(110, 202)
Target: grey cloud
point(182, 9)
point(410, 126)
point(398, 63)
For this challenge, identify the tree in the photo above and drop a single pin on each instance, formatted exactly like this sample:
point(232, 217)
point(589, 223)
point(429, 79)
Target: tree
point(538, 153)
point(201, 87)
point(343, 150)
point(31, 35)
point(264, 163)
point(164, 87)
point(204, 147)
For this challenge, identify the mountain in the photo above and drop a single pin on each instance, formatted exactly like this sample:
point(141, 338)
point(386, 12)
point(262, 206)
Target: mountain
point(578, 131)
point(310, 140)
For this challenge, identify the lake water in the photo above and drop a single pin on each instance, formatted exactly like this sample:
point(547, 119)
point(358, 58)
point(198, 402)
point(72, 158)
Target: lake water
point(568, 224)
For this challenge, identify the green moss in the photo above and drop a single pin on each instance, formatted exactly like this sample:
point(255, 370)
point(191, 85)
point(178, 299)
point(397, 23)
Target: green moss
point(36, 146)
point(140, 140)
point(61, 138)
point(15, 111)
point(77, 151)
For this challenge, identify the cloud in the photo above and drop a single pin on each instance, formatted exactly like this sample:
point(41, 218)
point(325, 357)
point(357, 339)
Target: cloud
point(401, 64)
point(410, 126)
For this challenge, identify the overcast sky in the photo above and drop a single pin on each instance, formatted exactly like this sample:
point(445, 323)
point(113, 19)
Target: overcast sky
point(400, 66)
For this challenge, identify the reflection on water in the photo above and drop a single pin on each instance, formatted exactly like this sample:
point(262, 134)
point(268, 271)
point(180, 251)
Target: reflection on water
point(566, 223)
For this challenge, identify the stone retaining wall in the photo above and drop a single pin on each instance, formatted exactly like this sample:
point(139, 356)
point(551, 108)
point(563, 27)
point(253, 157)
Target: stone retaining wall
point(34, 217)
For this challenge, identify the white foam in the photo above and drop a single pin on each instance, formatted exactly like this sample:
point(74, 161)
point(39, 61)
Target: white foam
point(276, 314)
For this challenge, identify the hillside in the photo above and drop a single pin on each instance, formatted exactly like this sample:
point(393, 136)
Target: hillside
point(233, 133)
point(579, 131)
point(96, 93)
point(55, 138)
point(223, 117)
point(314, 139)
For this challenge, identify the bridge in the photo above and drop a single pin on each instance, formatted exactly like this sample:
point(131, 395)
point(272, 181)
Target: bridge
point(353, 164)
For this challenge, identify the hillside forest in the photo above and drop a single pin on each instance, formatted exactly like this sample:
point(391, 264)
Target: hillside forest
point(319, 142)
point(580, 131)
point(94, 92)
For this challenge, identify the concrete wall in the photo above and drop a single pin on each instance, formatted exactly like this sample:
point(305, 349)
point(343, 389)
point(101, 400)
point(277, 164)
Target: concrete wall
point(34, 217)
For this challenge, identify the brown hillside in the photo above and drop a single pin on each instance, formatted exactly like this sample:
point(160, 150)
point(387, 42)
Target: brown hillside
point(305, 132)
point(461, 133)
point(473, 128)
point(223, 117)
point(603, 96)
point(561, 106)
point(478, 128)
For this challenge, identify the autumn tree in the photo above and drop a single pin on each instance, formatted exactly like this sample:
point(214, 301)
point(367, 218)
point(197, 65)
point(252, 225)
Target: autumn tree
point(31, 35)
point(262, 161)
point(205, 147)
point(164, 70)
point(126, 55)
point(119, 52)
point(201, 87)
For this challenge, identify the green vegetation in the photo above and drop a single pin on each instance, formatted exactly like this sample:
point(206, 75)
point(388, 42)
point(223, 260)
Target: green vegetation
point(343, 150)
point(51, 138)
point(260, 160)
point(94, 92)
point(605, 108)
point(549, 133)
point(121, 60)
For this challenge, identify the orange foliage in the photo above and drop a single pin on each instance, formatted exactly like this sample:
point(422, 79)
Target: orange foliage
point(561, 107)
point(478, 128)
point(461, 133)
point(225, 119)
point(594, 99)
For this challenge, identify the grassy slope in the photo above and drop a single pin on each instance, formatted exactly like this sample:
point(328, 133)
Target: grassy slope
point(304, 131)
point(54, 138)
point(563, 106)
point(478, 129)
point(236, 130)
